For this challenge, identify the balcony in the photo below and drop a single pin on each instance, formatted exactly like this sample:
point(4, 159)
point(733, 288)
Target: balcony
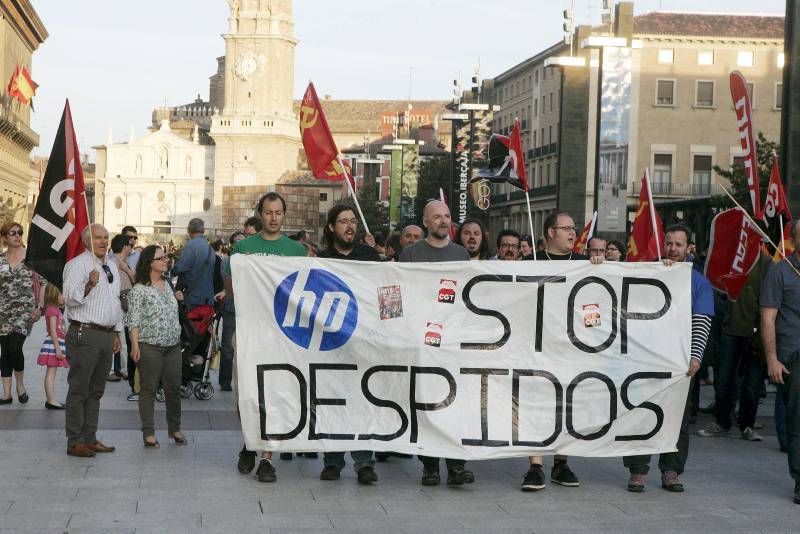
point(679, 190)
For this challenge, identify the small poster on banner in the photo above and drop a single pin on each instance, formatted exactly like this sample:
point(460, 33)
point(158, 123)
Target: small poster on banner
point(390, 302)
point(591, 315)
point(447, 291)
point(433, 335)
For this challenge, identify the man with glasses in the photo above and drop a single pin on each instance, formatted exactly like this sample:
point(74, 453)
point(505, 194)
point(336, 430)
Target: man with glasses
point(508, 242)
point(133, 259)
point(559, 235)
point(339, 236)
point(268, 242)
point(121, 248)
point(435, 248)
point(91, 298)
point(596, 247)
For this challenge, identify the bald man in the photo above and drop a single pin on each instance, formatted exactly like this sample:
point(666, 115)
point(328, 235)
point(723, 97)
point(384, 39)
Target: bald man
point(435, 248)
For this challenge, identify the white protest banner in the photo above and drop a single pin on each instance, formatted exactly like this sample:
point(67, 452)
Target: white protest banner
point(464, 360)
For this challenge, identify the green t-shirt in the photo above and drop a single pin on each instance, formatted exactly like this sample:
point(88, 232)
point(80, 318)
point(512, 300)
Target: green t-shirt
point(257, 245)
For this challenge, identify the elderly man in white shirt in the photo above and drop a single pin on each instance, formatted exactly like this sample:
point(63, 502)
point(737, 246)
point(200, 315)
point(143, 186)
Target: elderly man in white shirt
point(91, 297)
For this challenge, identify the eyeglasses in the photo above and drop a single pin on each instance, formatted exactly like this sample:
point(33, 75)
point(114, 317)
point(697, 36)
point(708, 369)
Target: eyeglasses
point(509, 245)
point(160, 258)
point(597, 250)
point(133, 238)
point(566, 228)
point(15, 233)
point(612, 249)
point(347, 221)
point(109, 274)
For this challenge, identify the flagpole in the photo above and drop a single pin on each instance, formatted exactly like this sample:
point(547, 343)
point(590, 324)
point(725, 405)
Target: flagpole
point(352, 192)
point(652, 211)
point(758, 228)
point(530, 223)
point(783, 238)
point(88, 223)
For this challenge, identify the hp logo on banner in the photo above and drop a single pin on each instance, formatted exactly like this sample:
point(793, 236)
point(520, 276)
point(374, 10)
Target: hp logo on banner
point(316, 309)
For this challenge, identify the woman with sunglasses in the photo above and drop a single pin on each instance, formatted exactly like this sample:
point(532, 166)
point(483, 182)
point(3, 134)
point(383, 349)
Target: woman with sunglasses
point(19, 309)
point(155, 333)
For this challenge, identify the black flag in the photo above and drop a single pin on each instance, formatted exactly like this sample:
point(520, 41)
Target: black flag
point(60, 214)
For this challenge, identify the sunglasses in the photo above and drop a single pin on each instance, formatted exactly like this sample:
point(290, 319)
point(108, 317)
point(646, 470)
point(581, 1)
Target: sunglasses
point(15, 233)
point(109, 274)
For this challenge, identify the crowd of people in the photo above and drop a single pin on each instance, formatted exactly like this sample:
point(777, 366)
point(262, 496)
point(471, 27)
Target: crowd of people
point(127, 294)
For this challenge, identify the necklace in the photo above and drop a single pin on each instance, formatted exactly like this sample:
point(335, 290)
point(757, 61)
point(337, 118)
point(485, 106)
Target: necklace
point(549, 258)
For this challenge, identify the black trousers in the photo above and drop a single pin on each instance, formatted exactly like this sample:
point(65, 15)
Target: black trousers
point(667, 461)
point(11, 356)
point(431, 463)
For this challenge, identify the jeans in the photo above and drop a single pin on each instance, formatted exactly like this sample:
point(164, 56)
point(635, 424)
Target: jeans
point(790, 391)
point(360, 459)
point(732, 351)
point(226, 347)
point(431, 463)
point(667, 461)
point(780, 419)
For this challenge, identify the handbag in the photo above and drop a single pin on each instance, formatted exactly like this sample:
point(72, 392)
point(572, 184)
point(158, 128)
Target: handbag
point(123, 299)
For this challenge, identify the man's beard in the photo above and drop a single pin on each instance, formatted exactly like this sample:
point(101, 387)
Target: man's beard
point(441, 232)
point(342, 244)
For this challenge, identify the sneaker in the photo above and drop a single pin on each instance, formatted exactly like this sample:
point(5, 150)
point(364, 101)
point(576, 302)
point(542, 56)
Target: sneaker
point(330, 472)
point(430, 478)
point(636, 483)
point(670, 482)
point(266, 473)
point(133, 397)
point(286, 456)
point(749, 434)
point(113, 378)
point(367, 475)
point(708, 409)
point(758, 425)
point(247, 461)
point(713, 430)
point(534, 479)
point(563, 475)
point(456, 476)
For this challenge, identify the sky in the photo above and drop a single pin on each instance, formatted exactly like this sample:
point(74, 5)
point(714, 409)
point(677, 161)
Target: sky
point(116, 61)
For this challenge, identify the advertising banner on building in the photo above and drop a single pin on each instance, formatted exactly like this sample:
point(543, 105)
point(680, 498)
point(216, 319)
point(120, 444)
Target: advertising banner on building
point(615, 106)
point(459, 205)
point(470, 153)
point(409, 182)
point(467, 360)
point(394, 189)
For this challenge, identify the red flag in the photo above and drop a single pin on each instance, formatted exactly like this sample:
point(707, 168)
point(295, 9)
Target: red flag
point(506, 160)
point(644, 243)
point(734, 250)
point(775, 203)
point(518, 156)
point(323, 156)
point(586, 234)
point(60, 214)
point(744, 120)
point(21, 86)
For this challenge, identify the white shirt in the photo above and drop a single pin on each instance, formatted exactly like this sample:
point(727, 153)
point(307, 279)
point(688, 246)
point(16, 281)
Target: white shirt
point(101, 306)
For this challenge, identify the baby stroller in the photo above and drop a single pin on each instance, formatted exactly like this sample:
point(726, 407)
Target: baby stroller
point(198, 347)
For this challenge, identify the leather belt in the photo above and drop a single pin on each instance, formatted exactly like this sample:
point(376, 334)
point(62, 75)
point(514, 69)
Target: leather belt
point(92, 326)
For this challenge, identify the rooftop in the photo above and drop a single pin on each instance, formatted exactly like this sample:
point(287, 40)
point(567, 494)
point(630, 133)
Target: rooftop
point(710, 25)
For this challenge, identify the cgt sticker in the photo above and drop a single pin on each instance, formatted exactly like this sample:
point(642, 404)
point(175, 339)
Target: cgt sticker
point(433, 335)
point(447, 291)
point(591, 315)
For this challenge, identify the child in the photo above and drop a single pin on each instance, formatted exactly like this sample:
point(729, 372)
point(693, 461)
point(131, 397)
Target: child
point(53, 355)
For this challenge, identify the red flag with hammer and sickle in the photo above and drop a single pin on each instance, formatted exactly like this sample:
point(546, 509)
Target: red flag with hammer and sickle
point(323, 156)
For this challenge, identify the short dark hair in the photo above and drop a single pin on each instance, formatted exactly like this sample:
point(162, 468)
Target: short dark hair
point(270, 197)
point(255, 222)
point(507, 232)
point(622, 248)
point(126, 229)
point(118, 243)
point(333, 214)
point(483, 251)
point(234, 235)
point(528, 239)
point(143, 266)
point(679, 227)
point(551, 221)
point(216, 245)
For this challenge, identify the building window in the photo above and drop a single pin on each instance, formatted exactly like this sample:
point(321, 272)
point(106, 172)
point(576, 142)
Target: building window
point(536, 77)
point(547, 174)
point(781, 60)
point(778, 95)
point(704, 94)
point(544, 103)
point(206, 204)
point(665, 92)
point(535, 107)
point(705, 57)
point(323, 197)
point(550, 134)
point(662, 173)
point(666, 55)
point(701, 174)
point(534, 139)
point(551, 102)
point(744, 58)
point(118, 203)
point(738, 161)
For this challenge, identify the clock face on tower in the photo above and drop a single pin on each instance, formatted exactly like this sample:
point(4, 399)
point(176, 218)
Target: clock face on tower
point(246, 66)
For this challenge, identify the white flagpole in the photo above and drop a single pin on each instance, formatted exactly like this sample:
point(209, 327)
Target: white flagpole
point(530, 223)
point(591, 228)
point(783, 239)
point(652, 211)
point(352, 192)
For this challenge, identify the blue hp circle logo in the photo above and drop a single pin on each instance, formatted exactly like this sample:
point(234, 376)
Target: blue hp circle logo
point(316, 309)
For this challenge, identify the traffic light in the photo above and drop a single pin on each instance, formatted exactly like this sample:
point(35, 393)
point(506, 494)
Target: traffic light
point(568, 26)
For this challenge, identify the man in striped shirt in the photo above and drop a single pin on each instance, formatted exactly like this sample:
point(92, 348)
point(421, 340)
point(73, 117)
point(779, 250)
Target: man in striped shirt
point(671, 464)
point(91, 298)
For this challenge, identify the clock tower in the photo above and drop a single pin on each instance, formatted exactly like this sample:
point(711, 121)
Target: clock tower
point(257, 132)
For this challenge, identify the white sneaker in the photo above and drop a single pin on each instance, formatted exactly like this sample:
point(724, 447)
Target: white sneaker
point(712, 430)
point(751, 435)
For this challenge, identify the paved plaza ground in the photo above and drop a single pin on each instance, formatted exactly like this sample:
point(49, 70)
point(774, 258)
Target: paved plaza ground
point(731, 485)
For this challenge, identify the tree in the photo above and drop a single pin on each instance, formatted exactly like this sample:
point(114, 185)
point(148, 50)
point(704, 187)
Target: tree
point(434, 174)
point(738, 180)
point(376, 215)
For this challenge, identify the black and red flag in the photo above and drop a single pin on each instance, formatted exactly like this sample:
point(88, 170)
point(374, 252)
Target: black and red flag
point(60, 214)
point(506, 160)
